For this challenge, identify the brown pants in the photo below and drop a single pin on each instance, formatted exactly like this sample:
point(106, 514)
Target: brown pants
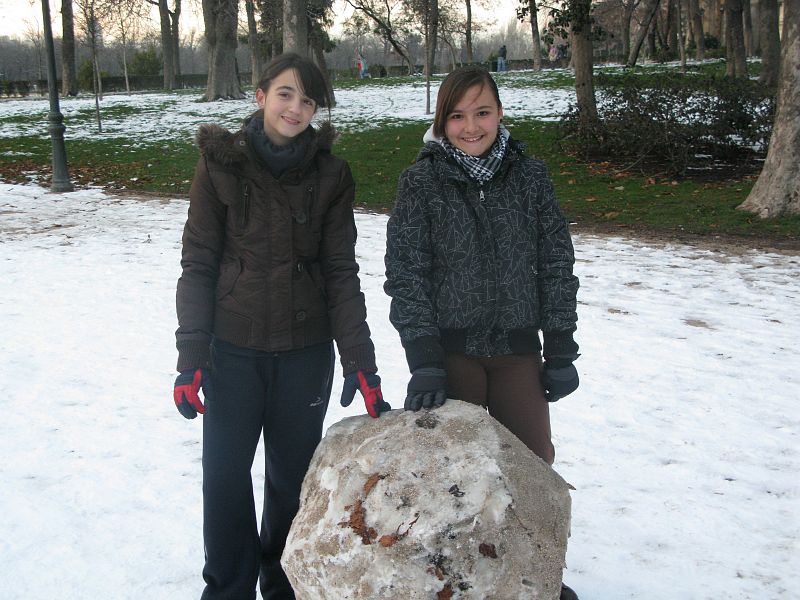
point(509, 388)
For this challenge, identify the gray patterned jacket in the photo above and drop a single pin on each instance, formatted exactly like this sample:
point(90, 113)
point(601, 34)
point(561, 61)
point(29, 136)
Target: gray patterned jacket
point(479, 269)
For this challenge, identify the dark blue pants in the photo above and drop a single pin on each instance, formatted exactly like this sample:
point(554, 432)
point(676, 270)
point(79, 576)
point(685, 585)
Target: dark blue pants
point(284, 396)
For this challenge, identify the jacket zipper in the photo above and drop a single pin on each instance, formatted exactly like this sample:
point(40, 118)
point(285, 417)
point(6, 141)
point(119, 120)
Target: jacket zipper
point(245, 212)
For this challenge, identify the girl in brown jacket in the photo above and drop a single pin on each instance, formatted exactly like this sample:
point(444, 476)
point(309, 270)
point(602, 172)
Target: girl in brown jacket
point(269, 279)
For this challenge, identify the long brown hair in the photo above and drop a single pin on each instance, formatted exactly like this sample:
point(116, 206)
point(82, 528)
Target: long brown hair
point(307, 72)
point(452, 90)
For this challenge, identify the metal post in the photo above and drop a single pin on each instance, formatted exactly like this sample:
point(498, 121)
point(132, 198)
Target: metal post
point(60, 181)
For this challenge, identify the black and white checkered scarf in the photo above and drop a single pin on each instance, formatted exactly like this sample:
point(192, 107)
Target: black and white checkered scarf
point(481, 169)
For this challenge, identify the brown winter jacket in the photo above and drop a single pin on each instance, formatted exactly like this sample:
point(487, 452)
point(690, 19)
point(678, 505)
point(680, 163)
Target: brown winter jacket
point(270, 264)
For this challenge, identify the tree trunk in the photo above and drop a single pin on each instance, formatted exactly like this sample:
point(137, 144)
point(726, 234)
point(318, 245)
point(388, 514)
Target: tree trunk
point(777, 191)
point(431, 30)
point(69, 79)
point(123, 40)
point(537, 42)
point(748, 28)
point(697, 27)
point(253, 43)
point(681, 36)
point(649, 11)
point(166, 45)
point(582, 60)
point(319, 55)
point(770, 42)
point(628, 9)
point(671, 29)
point(175, 34)
point(468, 33)
point(295, 27)
point(736, 61)
point(220, 18)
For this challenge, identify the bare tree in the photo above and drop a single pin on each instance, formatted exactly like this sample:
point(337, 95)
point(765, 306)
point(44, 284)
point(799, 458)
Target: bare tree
point(170, 40)
point(431, 23)
point(91, 12)
point(736, 65)
point(528, 8)
point(33, 33)
point(256, 64)
point(125, 15)
point(769, 36)
point(696, 20)
point(385, 15)
point(747, 23)
point(167, 48)
point(69, 75)
point(777, 190)
point(649, 10)
point(221, 18)
point(580, 36)
point(295, 27)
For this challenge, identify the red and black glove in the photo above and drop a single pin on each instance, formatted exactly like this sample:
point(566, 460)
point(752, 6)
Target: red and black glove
point(369, 384)
point(187, 386)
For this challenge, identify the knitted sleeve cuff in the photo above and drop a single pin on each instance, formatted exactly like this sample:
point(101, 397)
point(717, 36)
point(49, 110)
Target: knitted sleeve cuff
point(358, 358)
point(424, 352)
point(559, 345)
point(193, 355)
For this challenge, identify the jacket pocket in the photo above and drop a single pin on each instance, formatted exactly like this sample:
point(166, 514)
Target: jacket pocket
point(228, 275)
point(306, 226)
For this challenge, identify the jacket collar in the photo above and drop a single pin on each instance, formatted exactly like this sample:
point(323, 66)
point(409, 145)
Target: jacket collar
point(231, 149)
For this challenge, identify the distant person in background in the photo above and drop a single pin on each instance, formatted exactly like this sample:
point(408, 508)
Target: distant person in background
point(501, 58)
point(552, 55)
point(362, 67)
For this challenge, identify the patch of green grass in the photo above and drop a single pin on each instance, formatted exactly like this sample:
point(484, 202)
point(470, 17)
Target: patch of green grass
point(591, 194)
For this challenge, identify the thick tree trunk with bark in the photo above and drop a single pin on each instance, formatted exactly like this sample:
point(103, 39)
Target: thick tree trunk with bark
point(696, 18)
point(253, 43)
point(537, 42)
point(69, 79)
point(175, 34)
point(777, 190)
point(167, 47)
point(769, 36)
point(747, 24)
point(583, 63)
point(220, 18)
point(736, 61)
point(628, 8)
point(648, 11)
point(295, 27)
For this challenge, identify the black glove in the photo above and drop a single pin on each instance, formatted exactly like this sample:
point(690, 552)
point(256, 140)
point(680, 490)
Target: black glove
point(369, 384)
point(427, 388)
point(559, 381)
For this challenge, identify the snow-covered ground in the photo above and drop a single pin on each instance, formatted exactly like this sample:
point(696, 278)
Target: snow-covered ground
point(164, 116)
point(682, 441)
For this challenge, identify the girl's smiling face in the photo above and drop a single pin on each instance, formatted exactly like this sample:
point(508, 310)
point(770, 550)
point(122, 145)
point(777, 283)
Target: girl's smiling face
point(472, 124)
point(287, 110)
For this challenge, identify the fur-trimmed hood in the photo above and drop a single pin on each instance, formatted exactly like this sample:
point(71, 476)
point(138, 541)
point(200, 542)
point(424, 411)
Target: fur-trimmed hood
point(226, 147)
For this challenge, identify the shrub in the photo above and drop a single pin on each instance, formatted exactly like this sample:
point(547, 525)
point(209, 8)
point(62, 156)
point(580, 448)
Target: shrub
point(146, 62)
point(680, 120)
point(85, 75)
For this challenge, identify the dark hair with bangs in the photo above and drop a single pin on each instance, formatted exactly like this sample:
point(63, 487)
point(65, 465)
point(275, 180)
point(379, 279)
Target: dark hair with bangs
point(452, 90)
point(307, 72)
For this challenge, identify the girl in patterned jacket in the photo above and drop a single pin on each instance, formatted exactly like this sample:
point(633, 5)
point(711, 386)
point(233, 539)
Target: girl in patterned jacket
point(479, 260)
